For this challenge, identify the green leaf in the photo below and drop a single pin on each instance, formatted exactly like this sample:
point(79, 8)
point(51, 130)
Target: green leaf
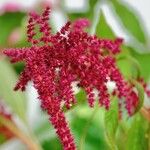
point(144, 60)
point(81, 96)
point(53, 144)
point(132, 65)
point(130, 20)
point(8, 22)
point(111, 124)
point(15, 100)
point(123, 63)
point(2, 139)
point(140, 90)
point(93, 130)
point(136, 139)
point(103, 30)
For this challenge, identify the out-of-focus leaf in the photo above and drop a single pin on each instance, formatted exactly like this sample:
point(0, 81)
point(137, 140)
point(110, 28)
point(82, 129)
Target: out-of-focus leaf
point(144, 61)
point(95, 134)
point(43, 130)
point(44, 127)
point(2, 139)
point(81, 96)
point(129, 19)
point(133, 66)
point(28, 140)
point(111, 124)
point(126, 67)
point(136, 139)
point(18, 67)
point(52, 144)
point(102, 29)
point(8, 22)
point(16, 100)
point(121, 134)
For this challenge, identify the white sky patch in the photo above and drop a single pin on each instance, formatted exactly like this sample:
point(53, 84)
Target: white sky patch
point(33, 106)
point(111, 86)
point(75, 88)
point(22, 3)
point(76, 5)
point(58, 18)
point(96, 93)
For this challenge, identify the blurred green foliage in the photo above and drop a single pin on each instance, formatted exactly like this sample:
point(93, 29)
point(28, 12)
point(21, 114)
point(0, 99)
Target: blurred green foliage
point(8, 22)
point(15, 100)
point(136, 135)
point(103, 30)
point(129, 19)
point(111, 123)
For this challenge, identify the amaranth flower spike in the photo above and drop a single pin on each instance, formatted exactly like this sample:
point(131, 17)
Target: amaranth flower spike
point(54, 62)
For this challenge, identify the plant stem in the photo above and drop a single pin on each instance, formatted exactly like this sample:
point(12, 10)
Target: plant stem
point(81, 145)
point(27, 140)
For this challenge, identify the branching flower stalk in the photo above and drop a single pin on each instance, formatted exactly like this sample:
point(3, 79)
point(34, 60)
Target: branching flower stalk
point(55, 61)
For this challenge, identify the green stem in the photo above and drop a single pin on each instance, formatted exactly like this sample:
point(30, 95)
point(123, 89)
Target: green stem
point(81, 145)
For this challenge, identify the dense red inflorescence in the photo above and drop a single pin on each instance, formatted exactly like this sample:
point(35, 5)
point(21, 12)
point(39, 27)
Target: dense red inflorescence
point(55, 61)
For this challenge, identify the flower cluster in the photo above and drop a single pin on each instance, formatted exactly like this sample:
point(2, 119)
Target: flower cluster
point(55, 61)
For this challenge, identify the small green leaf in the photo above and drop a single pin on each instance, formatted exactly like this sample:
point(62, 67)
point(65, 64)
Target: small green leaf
point(103, 30)
point(111, 124)
point(15, 100)
point(136, 139)
point(130, 20)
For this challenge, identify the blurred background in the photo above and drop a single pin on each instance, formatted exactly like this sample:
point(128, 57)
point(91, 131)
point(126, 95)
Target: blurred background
point(23, 123)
